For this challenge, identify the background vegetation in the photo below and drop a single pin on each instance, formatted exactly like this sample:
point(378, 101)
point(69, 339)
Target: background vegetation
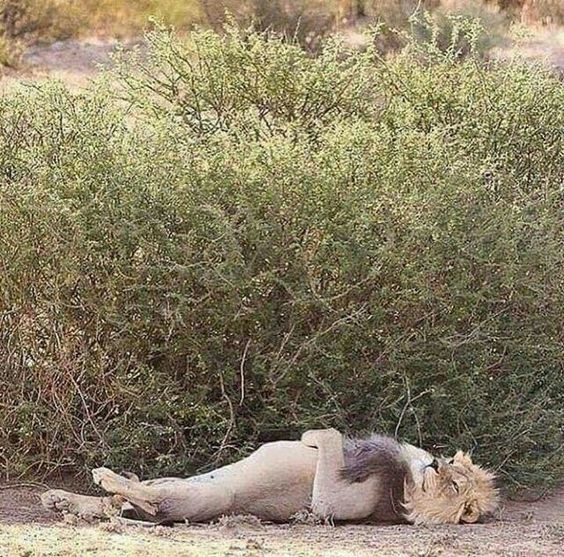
point(25, 21)
point(240, 241)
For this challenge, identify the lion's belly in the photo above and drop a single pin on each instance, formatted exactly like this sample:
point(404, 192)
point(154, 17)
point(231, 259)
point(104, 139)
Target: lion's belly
point(275, 482)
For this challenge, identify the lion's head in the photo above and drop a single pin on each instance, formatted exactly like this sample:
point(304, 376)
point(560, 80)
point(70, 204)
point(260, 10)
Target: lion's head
point(451, 491)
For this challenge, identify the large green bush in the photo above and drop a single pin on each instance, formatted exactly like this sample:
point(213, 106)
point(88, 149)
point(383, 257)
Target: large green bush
point(240, 241)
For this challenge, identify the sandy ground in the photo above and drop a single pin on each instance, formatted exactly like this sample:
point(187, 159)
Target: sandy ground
point(544, 44)
point(521, 529)
point(75, 62)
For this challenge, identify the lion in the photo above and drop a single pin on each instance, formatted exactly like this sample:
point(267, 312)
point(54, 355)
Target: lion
point(376, 479)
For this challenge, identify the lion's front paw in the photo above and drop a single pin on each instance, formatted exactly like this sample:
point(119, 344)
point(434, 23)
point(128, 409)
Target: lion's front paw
point(79, 507)
point(318, 437)
point(57, 500)
point(108, 480)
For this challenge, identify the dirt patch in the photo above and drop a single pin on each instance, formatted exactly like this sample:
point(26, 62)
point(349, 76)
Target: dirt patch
point(506, 539)
point(542, 45)
point(75, 62)
point(549, 508)
point(22, 505)
point(521, 529)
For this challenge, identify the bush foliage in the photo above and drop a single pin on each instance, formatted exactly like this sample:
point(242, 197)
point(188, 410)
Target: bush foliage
point(242, 241)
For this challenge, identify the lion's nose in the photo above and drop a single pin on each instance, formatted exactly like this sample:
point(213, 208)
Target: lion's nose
point(434, 465)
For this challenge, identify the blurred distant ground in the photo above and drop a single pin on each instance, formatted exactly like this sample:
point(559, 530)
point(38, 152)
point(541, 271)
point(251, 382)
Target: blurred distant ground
point(76, 61)
point(73, 61)
point(70, 39)
point(543, 44)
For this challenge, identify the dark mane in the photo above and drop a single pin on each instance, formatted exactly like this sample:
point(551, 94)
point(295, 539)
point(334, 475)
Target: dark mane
point(378, 456)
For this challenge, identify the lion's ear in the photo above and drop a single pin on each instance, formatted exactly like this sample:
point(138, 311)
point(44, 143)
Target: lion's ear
point(471, 514)
point(462, 457)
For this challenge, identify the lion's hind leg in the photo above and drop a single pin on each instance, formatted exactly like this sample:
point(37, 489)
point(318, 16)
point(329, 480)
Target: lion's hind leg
point(139, 495)
point(84, 507)
point(171, 499)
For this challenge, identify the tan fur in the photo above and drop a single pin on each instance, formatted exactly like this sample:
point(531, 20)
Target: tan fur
point(459, 491)
point(284, 478)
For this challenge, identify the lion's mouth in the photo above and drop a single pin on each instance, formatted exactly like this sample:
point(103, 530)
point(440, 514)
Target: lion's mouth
point(435, 466)
point(423, 487)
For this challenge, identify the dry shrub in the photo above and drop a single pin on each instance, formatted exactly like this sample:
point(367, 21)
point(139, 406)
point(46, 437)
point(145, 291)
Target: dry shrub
point(10, 52)
point(123, 17)
point(543, 11)
point(534, 11)
point(45, 19)
point(306, 20)
point(398, 21)
point(242, 241)
point(22, 21)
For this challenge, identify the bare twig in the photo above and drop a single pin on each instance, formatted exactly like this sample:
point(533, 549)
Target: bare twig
point(20, 485)
point(242, 372)
point(223, 443)
point(409, 404)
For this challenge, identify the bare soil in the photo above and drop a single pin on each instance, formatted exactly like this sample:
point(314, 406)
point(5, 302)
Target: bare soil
point(521, 529)
point(73, 61)
point(542, 45)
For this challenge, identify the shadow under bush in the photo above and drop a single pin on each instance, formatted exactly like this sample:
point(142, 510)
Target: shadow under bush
point(242, 241)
